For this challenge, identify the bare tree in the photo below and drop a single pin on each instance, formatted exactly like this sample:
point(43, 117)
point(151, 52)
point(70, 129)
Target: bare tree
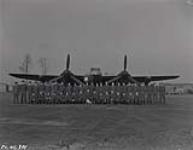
point(44, 65)
point(26, 64)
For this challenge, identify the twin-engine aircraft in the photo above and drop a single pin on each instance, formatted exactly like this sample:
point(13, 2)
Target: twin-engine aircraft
point(95, 77)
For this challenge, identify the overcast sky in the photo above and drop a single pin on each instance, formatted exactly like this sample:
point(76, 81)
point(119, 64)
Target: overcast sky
point(157, 35)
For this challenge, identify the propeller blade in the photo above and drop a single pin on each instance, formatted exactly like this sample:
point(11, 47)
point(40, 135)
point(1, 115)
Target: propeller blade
point(114, 79)
point(133, 80)
point(125, 62)
point(68, 62)
point(56, 79)
point(147, 80)
point(76, 80)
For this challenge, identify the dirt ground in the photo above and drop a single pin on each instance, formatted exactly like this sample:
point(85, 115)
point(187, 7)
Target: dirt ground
point(146, 127)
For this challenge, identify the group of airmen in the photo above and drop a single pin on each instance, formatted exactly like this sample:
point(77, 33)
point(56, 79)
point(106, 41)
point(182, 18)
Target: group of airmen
point(58, 93)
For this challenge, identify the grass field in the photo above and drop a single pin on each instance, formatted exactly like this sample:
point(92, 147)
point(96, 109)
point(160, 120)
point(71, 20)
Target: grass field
point(147, 127)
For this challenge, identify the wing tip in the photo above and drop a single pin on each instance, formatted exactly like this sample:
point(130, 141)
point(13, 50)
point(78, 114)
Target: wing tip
point(12, 74)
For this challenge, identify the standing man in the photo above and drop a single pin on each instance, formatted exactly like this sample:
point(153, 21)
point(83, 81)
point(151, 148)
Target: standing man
point(23, 92)
point(16, 93)
point(112, 93)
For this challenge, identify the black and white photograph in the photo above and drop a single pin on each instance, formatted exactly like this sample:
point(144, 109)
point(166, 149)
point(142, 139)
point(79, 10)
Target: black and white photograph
point(96, 74)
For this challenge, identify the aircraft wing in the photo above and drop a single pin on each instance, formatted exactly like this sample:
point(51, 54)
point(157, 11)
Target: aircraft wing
point(34, 77)
point(153, 78)
point(142, 79)
point(44, 78)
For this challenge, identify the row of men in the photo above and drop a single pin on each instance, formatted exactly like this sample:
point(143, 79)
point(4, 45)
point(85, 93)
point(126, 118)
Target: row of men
point(58, 93)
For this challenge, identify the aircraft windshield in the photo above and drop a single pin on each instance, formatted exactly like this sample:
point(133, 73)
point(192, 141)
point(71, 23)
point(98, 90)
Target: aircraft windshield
point(95, 71)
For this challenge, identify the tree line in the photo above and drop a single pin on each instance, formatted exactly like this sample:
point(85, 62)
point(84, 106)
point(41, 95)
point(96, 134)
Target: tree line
point(26, 64)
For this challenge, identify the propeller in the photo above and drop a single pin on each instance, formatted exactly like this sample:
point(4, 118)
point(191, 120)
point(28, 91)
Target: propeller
point(76, 80)
point(68, 62)
point(56, 79)
point(114, 79)
point(124, 74)
point(147, 80)
point(125, 62)
point(66, 75)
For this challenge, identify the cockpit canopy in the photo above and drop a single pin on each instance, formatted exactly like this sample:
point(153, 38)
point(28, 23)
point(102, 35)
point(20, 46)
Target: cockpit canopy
point(95, 71)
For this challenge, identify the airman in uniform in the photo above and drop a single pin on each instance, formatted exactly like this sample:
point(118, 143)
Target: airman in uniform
point(129, 94)
point(155, 94)
point(92, 89)
point(158, 94)
point(26, 93)
point(97, 89)
point(80, 94)
point(16, 92)
point(51, 93)
point(33, 93)
point(112, 93)
point(83, 93)
point(29, 92)
point(101, 93)
point(64, 90)
point(23, 93)
point(38, 93)
point(145, 94)
point(107, 93)
point(152, 93)
point(57, 93)
point(142, 94)
point(60, 93)
point(41, 92)
point(74, 93)
point(148, 91)
point(87, 94)
point(124, 94)
point(69, 93)
point(118, 93)
point(54, 93)
point(48, 90)
point(94, 94)
point(133, 95)
point(162, 94)
point(67, 97)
